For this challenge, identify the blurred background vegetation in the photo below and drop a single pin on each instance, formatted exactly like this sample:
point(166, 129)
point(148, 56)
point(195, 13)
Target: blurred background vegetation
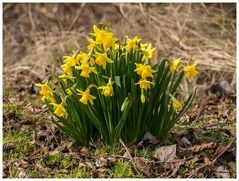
point(36, 35)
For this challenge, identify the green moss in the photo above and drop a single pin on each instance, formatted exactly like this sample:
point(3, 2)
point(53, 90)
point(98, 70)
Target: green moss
point(13, 111)
point(19, 112)
point(35, 174)
point(21, 138)
point(183, 170)
point(192, 165)
point(59, 161)
point(68, 161)
point(157, 170)
point(145, 153)
point(13, 173)
point(53, 161)
point(75, 173)
point(106, 150)
point(122, 169)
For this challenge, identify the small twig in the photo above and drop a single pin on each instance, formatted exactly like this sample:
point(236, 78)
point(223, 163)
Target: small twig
point(6, 99)
point(27, 68)
point(77, 16)
point(212, 126)
point(54, 136)
point(180, 160)
point(219, 155)
point(121, 10)
point(131, 158)
point(212, 162)
point(142, 10)
point(31, 17)
point(205, 7)
point(186, 19)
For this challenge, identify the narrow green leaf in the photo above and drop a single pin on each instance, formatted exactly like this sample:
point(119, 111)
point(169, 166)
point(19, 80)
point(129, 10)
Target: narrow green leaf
point(117, 81)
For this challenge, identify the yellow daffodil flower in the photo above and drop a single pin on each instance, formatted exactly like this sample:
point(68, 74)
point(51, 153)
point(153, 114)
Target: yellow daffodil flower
point(92, 44)
point(71, 60)
point(68, 91)
point(85, 58)
point(175, 65)
point(116, 46)
point(176, 104)
point(85, 96)
point(139, 68)
point(45, 89)
point(144, 70)
point(86, 70)
point(106, 90)
point(59, 109)
point(46, 92)
point(191, 70)
point(132, 43)
point(101, 36)
point(101, 59)
point(110, 43)
point(144, 84)
point(148, 51)
point(67, 68)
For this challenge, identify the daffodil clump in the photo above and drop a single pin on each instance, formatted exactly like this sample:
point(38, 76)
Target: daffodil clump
point(112, 90)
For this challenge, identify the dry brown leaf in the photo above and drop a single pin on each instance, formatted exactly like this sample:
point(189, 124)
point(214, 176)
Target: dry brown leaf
point(126, 155)
point(103, 169)
point(81, 165)
point(26, 122)
point(176, 137)
point(55, 152)
point(71, 147)
point(142, 166)
point(177, 163)
point(34, 137)
point(90, 165)
point(22, 174)
point(45, 151)
point(165, 153)
point(62, 149)
point(75, 154)
point(111, 160)
point(101, 162)
point(21, 164)
point(206, 160)
point(198, 148)
point(175, 167)
point(9, 146)
point(189, 118)
point(102, 172)
point(219, 150)
point(131, 151)
point(84, 150)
